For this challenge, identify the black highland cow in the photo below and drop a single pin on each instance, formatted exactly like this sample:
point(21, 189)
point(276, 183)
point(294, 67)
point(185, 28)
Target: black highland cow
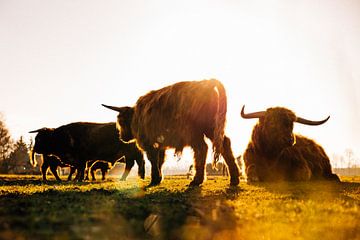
point(275, 153)
point(176, 116)
point(77, 143)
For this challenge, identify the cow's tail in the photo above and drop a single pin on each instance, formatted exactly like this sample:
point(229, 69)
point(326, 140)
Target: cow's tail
point(220, 119)
point(32, 158)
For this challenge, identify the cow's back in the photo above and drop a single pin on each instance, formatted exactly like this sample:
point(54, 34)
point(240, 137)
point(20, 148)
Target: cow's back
point(173, 114)
point(92, 140)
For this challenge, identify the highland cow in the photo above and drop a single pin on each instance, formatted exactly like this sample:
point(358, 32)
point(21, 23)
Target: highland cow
point(77, 143)
point(176, 116)
point(275, 153)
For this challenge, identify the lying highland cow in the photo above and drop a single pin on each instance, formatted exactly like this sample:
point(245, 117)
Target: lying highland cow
point(276, 153)
point(176, 116)
point(77, 143)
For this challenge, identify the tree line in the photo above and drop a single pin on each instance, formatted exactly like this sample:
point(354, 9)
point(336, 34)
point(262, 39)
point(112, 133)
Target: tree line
point(14, 155)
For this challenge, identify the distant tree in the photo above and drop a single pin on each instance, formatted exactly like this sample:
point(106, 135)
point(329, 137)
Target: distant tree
point(6, 143)
point(19, 161)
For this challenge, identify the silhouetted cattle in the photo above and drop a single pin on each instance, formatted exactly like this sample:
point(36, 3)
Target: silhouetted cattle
point(276, 153)
point(77, 143)
point(54, 162)
point(176, 116)
point(103, 166)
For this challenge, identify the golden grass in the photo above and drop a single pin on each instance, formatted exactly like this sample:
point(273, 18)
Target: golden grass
point(31, 209)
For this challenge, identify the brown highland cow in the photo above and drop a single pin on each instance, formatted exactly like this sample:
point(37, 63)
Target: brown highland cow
point(176, 116)
point(275, 153)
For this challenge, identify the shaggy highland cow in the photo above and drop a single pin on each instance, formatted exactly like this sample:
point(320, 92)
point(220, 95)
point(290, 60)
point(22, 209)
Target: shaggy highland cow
point(176, 116)
point(77, 143)
point(275, 153)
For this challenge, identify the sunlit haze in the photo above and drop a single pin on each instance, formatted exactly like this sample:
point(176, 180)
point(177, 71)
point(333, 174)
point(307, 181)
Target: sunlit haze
point(60, 60)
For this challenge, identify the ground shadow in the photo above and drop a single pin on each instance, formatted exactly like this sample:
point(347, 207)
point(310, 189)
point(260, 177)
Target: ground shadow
point(127, 213)
point(314, 190)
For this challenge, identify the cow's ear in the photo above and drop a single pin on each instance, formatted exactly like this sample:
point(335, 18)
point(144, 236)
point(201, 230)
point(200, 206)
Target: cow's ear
point(128, 111)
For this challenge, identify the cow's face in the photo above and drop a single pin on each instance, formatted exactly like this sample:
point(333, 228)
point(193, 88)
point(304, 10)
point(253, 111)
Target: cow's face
point(123, 123)
point(277, 127)
point(44, 141)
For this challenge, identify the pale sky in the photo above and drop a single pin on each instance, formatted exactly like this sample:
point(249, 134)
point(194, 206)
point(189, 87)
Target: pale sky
point(59, 60)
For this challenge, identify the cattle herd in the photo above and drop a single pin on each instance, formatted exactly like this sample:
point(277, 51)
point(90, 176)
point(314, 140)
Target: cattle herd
point(177, 116)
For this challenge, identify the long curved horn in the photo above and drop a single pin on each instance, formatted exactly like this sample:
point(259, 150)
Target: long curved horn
point(309, 122)
point(251, 115)
point(118, 109)
point(38, 130)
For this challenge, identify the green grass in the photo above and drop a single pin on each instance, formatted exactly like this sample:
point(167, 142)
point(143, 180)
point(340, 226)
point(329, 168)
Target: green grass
point(31, 209)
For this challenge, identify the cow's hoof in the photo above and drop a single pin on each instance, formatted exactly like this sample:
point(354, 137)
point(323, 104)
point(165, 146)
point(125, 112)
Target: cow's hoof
point(195, 183)
point(155, 182)
point(152, 184)
point(122, 179)
point(234, 181)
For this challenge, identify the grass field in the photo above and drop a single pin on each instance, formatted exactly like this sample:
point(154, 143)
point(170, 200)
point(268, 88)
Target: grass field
point(31, 209)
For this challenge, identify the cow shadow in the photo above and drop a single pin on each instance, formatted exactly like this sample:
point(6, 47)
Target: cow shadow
point(116, 213)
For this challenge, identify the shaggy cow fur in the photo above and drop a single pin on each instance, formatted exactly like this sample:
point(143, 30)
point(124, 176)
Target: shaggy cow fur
point(176, 116)
point(276, 153)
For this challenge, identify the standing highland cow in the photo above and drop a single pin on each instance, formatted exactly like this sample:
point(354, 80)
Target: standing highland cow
point(77, 143)
point(176, 116)
point(275, 153)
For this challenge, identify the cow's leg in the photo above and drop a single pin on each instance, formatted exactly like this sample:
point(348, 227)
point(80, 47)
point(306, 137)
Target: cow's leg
point(87, 169)
point(141, 166)
point(44, 168)
point(200, 152)
point(53, 168)
point(81, 169)
point(153, 156)
point(103, 171)
point(72, 171)
point(230, 162)
point(129, 163)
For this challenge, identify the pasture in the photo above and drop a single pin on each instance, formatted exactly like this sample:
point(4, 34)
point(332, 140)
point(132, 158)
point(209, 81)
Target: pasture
point(32, 209)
